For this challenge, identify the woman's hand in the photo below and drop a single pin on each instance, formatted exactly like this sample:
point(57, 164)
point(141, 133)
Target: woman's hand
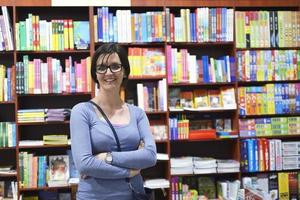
point(134, 172)
point(141, 145)
point(101, 156)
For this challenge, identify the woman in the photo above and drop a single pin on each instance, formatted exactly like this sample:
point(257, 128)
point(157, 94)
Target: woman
point(106, 171)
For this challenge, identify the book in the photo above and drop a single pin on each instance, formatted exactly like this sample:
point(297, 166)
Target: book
point(59, 170)
point(81, 34)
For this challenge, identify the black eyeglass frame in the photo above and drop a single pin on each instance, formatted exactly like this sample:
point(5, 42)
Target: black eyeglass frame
point(109, 66)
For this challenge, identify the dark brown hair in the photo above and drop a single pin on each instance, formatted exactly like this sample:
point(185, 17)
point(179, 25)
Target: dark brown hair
point(109, 49)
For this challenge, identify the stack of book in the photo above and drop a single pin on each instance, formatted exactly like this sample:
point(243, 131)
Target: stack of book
point(157, 183)
point(59, 114)
point(55, 139)
point(31, 115)
point(228, 166)
point(204, 165)
point(183, 165)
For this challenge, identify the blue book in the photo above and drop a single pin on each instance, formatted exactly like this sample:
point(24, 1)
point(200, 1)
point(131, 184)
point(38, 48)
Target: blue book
point(250, 147)
point(100, 24)
point(74, 173)
point(205, 69)
point(81, 34)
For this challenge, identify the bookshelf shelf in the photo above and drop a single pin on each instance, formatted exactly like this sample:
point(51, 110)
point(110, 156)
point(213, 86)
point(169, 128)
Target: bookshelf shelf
point(207, 174)
point(203, 111)
point(270, 115)
point(137, 44)
point(200, 44)
point(161, 141)
point(7, 148)
point(14, 175)
point(272, 171)
point(254, 83)
point(204, 140)
point(45, 188)
point(200, 84)
point(44, 146)
point(156, 112)
point(55, 94)
point(6, 102)
point(273, 137)
point(6, 52)
point(268, 48)
point(55, 52)
point(42, 123)
point(155, 77)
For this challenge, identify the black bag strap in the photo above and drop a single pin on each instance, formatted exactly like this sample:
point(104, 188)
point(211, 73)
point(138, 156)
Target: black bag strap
point(109, 123)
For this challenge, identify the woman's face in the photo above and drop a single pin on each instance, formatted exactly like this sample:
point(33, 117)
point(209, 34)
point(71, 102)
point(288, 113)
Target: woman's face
point(110, 72)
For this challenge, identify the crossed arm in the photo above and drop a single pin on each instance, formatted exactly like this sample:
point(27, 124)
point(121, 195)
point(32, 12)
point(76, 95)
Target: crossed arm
point(125, 164)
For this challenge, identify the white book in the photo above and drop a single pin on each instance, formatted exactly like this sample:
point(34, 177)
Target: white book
point(157, 183)
point(140, 95)
point(8, 28)
point(228, 170)
point(182, 162)
point(272, 155)
point(199, 162)
point(205, 170)
point(228, 163)
point(181, 170)
point(162, 156)
point(278, 155)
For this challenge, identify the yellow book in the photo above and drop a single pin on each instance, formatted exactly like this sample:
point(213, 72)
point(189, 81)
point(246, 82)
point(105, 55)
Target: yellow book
point(33, 24)
point(160, 25)
point(66, 35)
point(179, 73)
point(31, 77)
point(270, 97)
point(38, 42)
point(71, 34)
point(2, 74)
point(283, 186)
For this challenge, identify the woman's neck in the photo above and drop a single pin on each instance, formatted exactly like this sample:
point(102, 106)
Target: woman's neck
point(108, 100)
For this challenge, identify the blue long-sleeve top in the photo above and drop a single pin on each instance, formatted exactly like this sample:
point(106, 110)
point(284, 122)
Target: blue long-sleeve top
point(91, 135)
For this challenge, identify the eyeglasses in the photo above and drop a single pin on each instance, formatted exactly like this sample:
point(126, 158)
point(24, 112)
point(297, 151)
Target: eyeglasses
point(114, 68)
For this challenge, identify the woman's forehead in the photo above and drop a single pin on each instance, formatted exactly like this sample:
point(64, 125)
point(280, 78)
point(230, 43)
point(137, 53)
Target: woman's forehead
point(108, 58)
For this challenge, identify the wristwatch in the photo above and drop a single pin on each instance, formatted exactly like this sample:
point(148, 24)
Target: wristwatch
point(108, 158)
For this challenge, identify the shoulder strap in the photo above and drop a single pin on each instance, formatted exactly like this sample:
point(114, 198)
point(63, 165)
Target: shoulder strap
point(109, 123)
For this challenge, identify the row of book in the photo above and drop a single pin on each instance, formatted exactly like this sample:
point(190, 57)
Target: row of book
point(152, 97)
point(283, 185)
point(6, 83)
point(204, 25)
point(267, 29)
point(202, 165)
point(269, 99)
point(269, 126)
point(202, 99)
point(6, 38)
point(181, 128)
point(52, 170)
point(183, 67)
point(268, 65)
point(7, 134)
point(203, 188)
point(8, 190)
point(57, 35)
point(269, 155)
point(38, 77)
point(43, 115)
point(146, 61)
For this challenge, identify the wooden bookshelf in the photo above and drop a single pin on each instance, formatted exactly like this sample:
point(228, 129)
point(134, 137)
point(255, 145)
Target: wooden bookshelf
point(226, 148)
